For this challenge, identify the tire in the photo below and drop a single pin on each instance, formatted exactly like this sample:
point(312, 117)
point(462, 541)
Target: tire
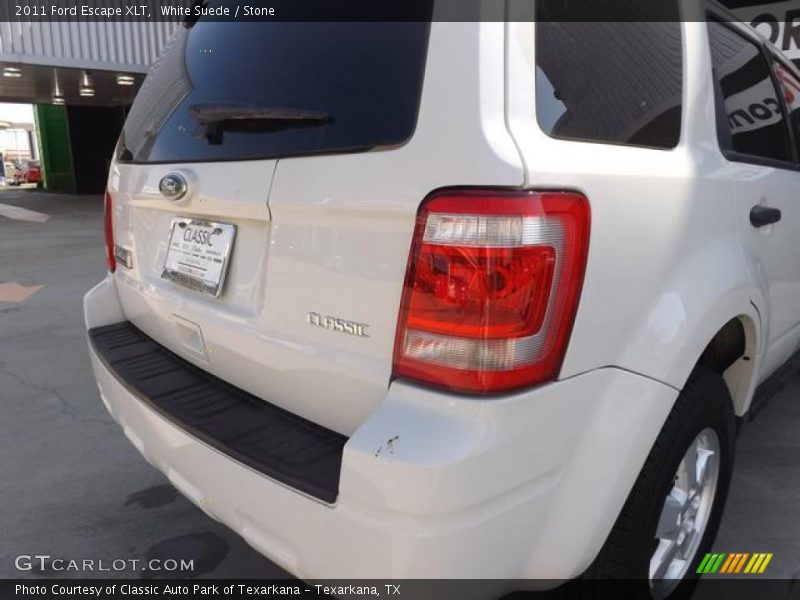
point(704, 404)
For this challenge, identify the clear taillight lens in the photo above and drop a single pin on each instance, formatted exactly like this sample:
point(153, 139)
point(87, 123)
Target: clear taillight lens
point(109, 228)
point(492, 288)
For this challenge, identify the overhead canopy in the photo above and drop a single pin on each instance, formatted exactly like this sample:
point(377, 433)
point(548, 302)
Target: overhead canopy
point(86, 63)
point(39, 84)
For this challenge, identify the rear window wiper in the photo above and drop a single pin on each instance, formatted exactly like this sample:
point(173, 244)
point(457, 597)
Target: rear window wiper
point(213, 119)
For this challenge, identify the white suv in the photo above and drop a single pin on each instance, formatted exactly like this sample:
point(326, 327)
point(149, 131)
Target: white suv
point(452, 300)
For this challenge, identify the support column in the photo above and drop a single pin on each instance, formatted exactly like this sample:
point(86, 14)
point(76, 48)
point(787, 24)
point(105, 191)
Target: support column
point(54, 147)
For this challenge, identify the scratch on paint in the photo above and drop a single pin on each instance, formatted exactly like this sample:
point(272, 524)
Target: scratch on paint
point(390, 446)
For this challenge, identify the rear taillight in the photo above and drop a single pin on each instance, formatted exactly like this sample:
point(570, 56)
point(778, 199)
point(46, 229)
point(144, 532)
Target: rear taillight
point(108, 219)
point(492, 288)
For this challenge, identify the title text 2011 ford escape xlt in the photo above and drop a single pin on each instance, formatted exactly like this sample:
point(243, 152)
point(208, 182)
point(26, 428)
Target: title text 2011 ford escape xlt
point(471, 299)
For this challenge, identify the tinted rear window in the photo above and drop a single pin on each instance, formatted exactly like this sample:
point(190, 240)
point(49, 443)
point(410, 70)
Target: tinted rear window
point(360, 84)
point(753, 112)
point(612, 82)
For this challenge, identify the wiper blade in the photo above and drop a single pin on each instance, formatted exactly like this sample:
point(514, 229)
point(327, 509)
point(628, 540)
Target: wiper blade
point(214, 113)
point(213, 119)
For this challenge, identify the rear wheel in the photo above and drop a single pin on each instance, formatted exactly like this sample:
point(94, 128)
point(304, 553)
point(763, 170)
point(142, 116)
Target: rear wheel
point(686, 513)
point(672, 514)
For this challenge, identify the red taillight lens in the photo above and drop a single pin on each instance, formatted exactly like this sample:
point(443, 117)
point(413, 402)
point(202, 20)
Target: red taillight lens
point(492, 288)
point(108, 219)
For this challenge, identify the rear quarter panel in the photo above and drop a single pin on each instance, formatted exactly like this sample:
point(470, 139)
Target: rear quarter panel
point(665, 268)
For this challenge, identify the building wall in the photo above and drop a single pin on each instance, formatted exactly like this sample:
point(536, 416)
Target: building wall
point(76, 141)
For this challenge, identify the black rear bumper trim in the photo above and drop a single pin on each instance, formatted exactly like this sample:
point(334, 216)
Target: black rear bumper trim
point(288, 448)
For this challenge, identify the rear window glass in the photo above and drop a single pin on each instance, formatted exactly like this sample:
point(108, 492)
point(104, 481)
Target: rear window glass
point(610, 82)
point(234, 91)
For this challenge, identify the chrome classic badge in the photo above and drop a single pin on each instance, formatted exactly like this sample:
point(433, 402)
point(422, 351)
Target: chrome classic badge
point(337, 324)
point(173, 186)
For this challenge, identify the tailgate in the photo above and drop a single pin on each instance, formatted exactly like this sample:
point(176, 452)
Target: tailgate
point(324, 210)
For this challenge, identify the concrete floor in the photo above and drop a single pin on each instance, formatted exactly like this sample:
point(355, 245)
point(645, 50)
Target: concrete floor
point(72, 485)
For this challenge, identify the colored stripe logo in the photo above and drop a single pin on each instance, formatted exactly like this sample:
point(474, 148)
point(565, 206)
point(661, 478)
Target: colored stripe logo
point(734, 562)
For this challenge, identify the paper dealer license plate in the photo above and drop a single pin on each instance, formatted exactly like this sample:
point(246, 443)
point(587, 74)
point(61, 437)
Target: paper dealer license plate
point(198, 253)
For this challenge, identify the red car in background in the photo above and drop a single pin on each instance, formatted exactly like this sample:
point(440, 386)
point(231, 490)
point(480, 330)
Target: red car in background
point(27, 171)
